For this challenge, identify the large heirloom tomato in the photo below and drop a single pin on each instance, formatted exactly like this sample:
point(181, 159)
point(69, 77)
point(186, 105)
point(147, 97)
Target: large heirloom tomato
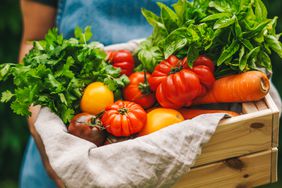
point(178, 85)
point(139, 91)
point(88, 127)
point(179, 89)
point(124, 118)
point(162, 70)
point(204, 60)
point(122, 59)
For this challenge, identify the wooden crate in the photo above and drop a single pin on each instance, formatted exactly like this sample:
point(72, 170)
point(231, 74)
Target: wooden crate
point(242, 152)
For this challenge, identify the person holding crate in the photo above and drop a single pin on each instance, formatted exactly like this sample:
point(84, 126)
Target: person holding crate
point(111, 21)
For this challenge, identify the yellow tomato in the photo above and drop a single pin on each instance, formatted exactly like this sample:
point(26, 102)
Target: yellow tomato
point(96, 97)
point(159, 118)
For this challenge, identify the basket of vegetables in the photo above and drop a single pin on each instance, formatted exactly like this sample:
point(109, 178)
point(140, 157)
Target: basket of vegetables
point(200, 53)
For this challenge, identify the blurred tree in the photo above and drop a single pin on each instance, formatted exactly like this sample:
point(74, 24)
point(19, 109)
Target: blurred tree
point(13, 129)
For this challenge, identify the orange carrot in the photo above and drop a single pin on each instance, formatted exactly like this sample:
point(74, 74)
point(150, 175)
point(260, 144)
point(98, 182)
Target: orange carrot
point(191, 113)
point(244, 87)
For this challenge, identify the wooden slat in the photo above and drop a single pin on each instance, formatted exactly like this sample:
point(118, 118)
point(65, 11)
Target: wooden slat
point(261, 105)
point(247, 171)
point(249, 107)
point(238, 136)
point(274, 165)
point(275, 120)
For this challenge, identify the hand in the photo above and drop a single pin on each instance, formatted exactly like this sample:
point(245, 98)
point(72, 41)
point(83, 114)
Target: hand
point(31, 120)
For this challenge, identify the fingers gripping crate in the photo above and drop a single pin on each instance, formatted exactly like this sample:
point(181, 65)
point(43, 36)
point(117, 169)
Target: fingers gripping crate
point(242, 152)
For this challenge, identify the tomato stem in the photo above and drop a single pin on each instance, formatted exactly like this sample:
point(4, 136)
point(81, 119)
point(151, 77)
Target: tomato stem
point(177, 68)
point(144, 87)
point(123, 111)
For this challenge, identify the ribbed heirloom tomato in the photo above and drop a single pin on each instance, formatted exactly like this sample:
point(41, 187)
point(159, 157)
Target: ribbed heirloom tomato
point(124, 118)
point(139, 91)
point(159, 118)
point(95, 98)
point(177, 85)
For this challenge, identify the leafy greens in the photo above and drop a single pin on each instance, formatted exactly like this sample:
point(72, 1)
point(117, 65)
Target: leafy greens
point(56, 71)
point(236, 34)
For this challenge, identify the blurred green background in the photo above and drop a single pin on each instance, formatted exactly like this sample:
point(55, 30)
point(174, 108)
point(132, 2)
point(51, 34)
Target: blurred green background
point(14, 130)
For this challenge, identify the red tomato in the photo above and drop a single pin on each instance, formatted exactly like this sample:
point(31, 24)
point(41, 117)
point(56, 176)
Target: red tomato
point(139, 91)
point(179, 89)
point(163, 69)
point(177, 85)
point(122, 59)
point(204, 60)
point(124, 118)
point(88, 127)
point(205, 75)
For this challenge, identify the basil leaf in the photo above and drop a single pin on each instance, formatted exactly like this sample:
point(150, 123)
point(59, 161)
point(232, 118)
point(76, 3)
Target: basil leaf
point(256, 30)
point(242, 60)
point(216, 16)
point(260, 10)
point(264, 60)
point(238, 30)
point(152, 18)
point(228, 52)
point(178, 39)
point(224, 22)
point(247, 44)
point(274, 44)
point(169, 18)
point(220, 6)
point(180, 7)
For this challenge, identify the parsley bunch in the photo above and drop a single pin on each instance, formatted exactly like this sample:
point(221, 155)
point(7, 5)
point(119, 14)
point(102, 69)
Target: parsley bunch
point(55, 73)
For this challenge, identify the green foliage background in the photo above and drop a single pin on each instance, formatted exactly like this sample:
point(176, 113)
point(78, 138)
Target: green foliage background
point(14, 130)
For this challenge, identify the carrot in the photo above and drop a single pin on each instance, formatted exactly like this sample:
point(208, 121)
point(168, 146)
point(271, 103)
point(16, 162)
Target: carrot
point(244, 87)
point(191, 113)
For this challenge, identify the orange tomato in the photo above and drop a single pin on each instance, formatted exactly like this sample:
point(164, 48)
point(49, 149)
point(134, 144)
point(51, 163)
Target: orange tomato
point(159, 118)
point(96, 97)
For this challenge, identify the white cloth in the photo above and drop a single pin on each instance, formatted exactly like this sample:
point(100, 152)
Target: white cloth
point(155, 160)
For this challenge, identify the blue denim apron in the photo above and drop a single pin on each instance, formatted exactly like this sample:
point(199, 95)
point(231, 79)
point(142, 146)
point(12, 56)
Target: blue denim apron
point(112, 21)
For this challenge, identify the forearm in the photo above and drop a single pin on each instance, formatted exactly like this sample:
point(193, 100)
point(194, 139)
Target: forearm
point(37, 20)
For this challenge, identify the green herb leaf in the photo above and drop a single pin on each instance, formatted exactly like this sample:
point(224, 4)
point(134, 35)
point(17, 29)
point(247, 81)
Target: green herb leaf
point(216, 16)
point(228, 52)
point(169, 18)
point(6, 96)
point(274, 44)
point(260, 10)
point(224, 22)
